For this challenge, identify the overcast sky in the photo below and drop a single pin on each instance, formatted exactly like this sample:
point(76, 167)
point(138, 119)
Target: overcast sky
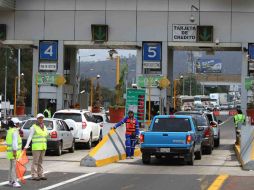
point(102, 54)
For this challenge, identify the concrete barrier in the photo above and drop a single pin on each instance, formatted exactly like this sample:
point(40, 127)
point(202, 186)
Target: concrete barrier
point(110, 149)
point(245, 152)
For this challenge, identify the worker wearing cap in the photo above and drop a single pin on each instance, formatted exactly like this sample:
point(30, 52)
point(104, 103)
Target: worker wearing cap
point(14, 146)
point(38, 135)
point(131, 134)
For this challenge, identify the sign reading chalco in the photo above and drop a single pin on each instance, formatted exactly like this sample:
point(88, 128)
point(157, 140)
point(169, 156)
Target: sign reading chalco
point(184, 32)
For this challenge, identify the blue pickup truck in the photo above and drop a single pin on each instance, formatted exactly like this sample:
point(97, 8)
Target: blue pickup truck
point(172, 136)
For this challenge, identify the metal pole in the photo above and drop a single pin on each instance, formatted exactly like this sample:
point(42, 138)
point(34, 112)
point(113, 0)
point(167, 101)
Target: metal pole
point(183, 85)
point(117, 69)
point(91, 93)
point(175, 94)
point(15, 96)
point(18, 71)
point(149, 99)
point(36, 95)
point(78, 78)
point(5, 82)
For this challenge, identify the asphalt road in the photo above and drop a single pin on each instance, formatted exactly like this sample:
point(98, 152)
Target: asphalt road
point(64, 172)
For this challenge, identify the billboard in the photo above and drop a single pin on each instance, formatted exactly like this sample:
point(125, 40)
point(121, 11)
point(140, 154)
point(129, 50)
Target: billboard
point(208, 66)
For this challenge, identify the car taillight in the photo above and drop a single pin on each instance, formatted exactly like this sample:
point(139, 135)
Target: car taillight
point(84, 125)
point(188, 139)
point(207, 132)
point(21, 133)
point(141, 138)
point(53, 134)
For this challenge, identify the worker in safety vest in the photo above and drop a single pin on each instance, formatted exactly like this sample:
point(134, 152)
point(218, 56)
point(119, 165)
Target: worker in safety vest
point(14, 146)
point(47, 113)
point(239, 119)
point(131, 134)
point(38, 135)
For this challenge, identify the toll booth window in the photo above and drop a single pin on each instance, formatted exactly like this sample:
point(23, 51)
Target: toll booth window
point(171, 125)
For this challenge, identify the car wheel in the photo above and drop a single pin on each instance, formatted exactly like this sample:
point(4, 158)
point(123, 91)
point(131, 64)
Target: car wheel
point(198, 155)
point(191, 157)
point(59, 149)
point(146, 158)
point(88, 144)
point(217, 142)
point(72, 149)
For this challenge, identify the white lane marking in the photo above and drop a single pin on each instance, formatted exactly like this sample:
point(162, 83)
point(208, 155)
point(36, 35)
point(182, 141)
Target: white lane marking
point(25, 177)
point(68, 181)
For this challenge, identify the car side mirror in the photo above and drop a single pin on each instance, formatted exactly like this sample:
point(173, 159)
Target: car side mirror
point(71, 129)
point(200, 128)
point(213, 123)
point(219, 122)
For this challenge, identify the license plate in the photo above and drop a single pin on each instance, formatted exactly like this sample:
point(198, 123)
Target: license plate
point(164, 149)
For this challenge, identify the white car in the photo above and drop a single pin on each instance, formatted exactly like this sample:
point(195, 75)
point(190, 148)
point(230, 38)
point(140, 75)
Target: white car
point(86, 130)
point(59, 134)
point(102, 119)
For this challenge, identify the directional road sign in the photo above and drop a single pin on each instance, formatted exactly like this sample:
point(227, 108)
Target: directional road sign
point(99, 32)
point(2, 31)
point(205, 34)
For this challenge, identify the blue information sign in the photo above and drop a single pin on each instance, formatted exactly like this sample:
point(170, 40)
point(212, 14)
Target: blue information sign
point(152, 55)
point(251, 50)
point(49, 50)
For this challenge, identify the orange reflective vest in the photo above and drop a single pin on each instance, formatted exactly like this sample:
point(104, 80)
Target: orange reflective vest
point(130, 126)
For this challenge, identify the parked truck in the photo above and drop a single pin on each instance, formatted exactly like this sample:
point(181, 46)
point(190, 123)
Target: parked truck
point(218, 99)
point(172, 136)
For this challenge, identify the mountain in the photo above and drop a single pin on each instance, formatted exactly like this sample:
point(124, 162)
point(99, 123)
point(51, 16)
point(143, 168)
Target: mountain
point(107, 70)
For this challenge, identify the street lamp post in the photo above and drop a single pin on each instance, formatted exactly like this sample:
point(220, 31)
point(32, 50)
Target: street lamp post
point(15, 91)
point(82, 92)
point(91, 89)
point(78, 73)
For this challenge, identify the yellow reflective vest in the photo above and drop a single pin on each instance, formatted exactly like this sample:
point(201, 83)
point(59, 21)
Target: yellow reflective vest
point(239, 118)
point(48, 113)
point(9, 139)
point(39, 140)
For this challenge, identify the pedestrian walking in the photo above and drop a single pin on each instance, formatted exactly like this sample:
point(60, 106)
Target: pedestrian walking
point(131, 134)
point(38, 135)
point(14, 146)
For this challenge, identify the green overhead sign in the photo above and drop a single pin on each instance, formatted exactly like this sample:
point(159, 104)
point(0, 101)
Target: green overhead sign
point(99, 32)
point(49, 79)
point(204, 33)
point(136, 101)
point(146, 81)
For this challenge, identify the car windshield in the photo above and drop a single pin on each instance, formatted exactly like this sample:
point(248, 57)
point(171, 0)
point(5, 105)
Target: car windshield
point(201, 120)
point(29, 123)
point(171, 125)
point(74, 116)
